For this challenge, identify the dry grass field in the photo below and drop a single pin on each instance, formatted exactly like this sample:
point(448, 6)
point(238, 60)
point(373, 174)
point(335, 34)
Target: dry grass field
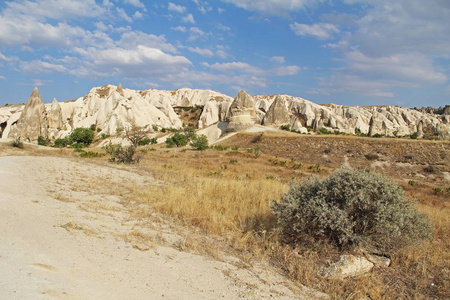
point(219, 199)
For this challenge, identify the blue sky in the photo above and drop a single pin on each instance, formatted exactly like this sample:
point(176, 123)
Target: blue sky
point(352, 52)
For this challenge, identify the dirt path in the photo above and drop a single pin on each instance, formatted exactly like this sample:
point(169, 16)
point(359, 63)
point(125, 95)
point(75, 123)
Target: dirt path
point(59, 239)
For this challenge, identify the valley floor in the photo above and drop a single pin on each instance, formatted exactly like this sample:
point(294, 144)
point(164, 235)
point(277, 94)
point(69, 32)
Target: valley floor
point(64, 236)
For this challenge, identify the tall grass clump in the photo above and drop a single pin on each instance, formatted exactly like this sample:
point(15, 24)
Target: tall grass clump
point(351, 207)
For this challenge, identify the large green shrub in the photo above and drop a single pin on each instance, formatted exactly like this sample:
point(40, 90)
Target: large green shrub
point(351, 207)
point(199, 142)
point(81, 135)
point(177, 139)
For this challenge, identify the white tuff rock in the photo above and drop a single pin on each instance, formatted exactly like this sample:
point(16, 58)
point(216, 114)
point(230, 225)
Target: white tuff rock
point(112, 109)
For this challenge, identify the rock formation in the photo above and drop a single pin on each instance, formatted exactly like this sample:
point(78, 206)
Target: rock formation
point(33, 120)
point(242, 112)
point(120, 90)
point(54, 117)
point(113, 108)
point(277, 113)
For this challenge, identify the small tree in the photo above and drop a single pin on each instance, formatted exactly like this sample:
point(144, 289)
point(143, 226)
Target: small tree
point(199, 142)
point(177, 139)
point(120, 154)
point(136, 134)
point(81, 135)
point(351, 208)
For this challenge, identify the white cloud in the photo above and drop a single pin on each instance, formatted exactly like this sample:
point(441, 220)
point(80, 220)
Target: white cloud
point(277, 59)
point(38, 66)
point(394, 45)
point(176, 8)
point(233, 67)
point(179, 28)
point(409, 69)
point(287, 70)
point(101, 26)
point(188, 19)
point(377, 77)
point(135, 3)
point(138, 62)
point(272, 7)
point(195, 33)
point(207, 79)
point(3, 57)
point(202, 6)
point(138, 15)
point(40, 82)
point(55, 9)
point(132, 39)
point(321, 31)
point(202, 52)
point(393, 27)
point(352, 84)
point(223, 27)
point(221, 53)
point(122, 14)
point(2, 77)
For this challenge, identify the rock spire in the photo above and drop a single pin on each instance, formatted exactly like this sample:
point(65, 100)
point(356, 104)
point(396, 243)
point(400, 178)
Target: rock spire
point(33, 120)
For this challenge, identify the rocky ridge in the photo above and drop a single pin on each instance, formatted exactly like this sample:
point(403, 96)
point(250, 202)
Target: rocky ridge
point(113, 108)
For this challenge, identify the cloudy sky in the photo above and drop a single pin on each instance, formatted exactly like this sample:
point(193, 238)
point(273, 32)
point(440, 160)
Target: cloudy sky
point(353, 52)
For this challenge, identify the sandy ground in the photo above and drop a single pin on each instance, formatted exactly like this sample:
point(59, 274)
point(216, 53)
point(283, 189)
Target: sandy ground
point(61, 238)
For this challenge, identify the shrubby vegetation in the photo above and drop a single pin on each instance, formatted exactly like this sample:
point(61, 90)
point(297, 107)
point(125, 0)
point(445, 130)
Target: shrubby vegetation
point(351, 207)
point(178, 140)
point(61, 143)
point(42, 141)
point(147, 141)
point(136, 134)
point(120, 154)
point(83, 136)
point(199, 142)
point(17, 143)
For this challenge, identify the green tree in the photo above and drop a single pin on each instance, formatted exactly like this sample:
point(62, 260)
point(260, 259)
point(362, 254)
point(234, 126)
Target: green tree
point(178, 140)
point(81, 135)
point(199, 142)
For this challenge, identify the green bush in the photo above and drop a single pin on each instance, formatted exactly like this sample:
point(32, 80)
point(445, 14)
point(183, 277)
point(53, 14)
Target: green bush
point(351, 207)
point(104, 136)
point(17, 143)
point(120, 154)
point(177, 139)
point(147, 141)
point(81, 135)
point(61, 143)
point(323, 130)
point(42, 141)
point(199, 142)
point(285, 127)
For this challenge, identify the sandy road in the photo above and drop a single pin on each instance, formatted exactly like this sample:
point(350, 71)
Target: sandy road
point(43, 256)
